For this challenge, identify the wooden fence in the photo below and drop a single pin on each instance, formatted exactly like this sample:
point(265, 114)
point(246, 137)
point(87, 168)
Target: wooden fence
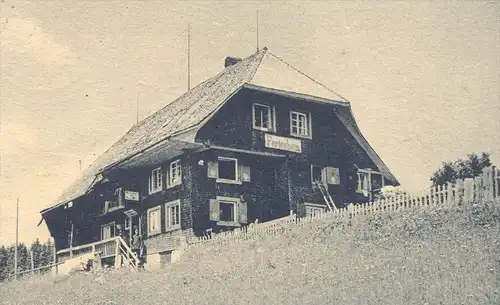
point(483, 188)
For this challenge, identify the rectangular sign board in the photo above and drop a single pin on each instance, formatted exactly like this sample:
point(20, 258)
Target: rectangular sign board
point(282, 143)
point(129, 195)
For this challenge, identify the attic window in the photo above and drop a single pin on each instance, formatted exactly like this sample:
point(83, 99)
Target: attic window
point(300, 124)
point(262, 117)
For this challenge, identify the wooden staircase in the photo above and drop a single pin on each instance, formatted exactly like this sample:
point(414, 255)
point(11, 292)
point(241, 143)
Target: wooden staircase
point(124, 255)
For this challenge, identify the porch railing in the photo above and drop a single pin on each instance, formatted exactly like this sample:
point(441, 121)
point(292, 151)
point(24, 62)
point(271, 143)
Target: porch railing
point(112, 247)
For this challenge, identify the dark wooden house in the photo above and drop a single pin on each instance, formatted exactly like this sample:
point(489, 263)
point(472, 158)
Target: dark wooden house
point(257, 141)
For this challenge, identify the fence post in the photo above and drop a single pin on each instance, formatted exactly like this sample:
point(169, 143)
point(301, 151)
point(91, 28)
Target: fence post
point(488, 183)
point(32, 263)
point(449, 194)
point(55, 260)
point(459, 188)
point(468, 190)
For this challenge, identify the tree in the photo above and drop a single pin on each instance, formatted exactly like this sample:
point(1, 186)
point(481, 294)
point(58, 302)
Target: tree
point(461, 169)
point(36, 249)
point(4, 257)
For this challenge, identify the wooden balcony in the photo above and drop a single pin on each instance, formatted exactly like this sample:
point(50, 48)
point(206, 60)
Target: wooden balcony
point(107, 248)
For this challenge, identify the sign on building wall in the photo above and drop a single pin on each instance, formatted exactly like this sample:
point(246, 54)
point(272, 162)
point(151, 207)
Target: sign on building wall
point(283, 143)
point(129, 195)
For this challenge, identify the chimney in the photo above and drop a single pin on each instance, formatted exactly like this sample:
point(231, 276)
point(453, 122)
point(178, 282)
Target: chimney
point(231, 61)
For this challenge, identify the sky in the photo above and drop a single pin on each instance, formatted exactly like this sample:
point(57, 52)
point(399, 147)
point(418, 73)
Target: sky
point(423, 78)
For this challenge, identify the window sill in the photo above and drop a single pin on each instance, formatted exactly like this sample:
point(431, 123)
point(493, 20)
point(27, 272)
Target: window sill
point(173, 228)
point(154, 191)
point(173, 185)
point(228, 181)
point(301, 137)
point(114, 209)
point(153, 234)
point(264, 129)
point(363, 193)
point(228, 224)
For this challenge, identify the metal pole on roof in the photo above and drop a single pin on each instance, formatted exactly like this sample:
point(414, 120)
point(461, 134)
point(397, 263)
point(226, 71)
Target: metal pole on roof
point(189, 57)
point(17, 240)
point(257, 30)
point(137, 109)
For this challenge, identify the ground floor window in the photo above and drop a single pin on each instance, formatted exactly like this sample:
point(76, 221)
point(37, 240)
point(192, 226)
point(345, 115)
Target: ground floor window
point(363, 184)
point(154, 220)
point(314, 209)
point(108, 231)
point(227, 211)
point(173, 215)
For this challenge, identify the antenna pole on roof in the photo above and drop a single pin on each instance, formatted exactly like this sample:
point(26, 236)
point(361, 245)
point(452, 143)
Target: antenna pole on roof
point(16, 253)
point(137, 109)
point(257, 30)
point(189, 57)
point(80, 161)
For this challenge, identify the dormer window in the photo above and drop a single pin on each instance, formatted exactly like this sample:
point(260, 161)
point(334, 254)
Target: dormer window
point(263, 117)
point(155, 181)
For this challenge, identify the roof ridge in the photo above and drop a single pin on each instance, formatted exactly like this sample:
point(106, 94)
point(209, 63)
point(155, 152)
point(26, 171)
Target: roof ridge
point(264, 52)
point(322, 85)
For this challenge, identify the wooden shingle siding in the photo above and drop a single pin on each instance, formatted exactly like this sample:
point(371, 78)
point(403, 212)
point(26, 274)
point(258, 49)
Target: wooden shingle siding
point(331, 145)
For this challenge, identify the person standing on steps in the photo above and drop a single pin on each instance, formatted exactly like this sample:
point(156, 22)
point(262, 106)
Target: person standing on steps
point(137, 244)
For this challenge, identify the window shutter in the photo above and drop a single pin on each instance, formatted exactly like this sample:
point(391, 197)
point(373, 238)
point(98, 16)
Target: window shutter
point(214, 210)
point(332, 175)
point(121, 196)
point(242, 210)
point(213, 169)
point(245, 173)
point(106, 207)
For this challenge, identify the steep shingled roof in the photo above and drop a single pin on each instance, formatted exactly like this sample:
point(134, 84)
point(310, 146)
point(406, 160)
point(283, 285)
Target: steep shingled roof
point(189, 110)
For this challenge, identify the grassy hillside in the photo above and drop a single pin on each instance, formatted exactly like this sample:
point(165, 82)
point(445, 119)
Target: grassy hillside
point(428, 257)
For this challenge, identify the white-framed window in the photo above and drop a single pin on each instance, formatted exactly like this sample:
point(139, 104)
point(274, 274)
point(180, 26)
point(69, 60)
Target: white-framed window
point(173, 215)
point(228, 211)
point(328, 175)
point(363, 184)
point(107, 231)
point(154, 220)
point(318, 174)
point(128, 223)
point(174, 174)
point(263, 117)
point(155, 180)
point(227, 169)
point(300, 124)
point(314, 209)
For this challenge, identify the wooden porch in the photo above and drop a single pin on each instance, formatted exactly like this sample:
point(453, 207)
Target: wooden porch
point(114, 247)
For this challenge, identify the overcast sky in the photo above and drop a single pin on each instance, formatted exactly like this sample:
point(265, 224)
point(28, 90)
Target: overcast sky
point(422, 77)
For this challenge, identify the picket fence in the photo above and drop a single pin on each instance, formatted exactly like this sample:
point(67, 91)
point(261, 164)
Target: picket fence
point(483, 188)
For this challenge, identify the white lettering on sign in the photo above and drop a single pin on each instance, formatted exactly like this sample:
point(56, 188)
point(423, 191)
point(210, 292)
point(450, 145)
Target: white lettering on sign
point(282, 143)
point(129, 195)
